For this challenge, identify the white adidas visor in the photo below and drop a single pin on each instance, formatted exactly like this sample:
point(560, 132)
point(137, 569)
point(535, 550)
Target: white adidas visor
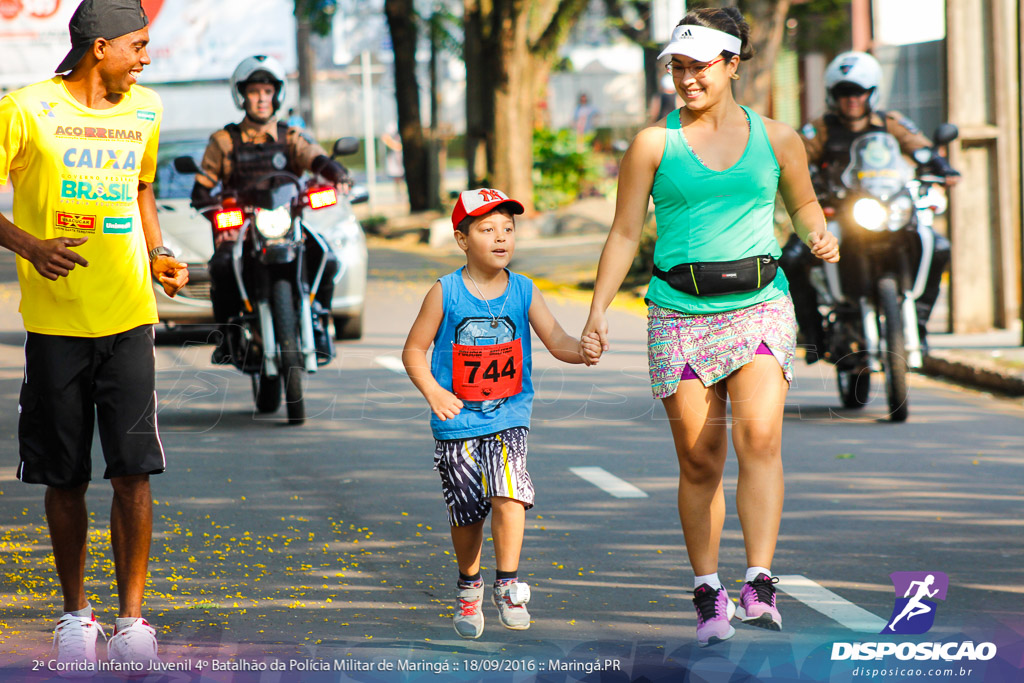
point(700, 43)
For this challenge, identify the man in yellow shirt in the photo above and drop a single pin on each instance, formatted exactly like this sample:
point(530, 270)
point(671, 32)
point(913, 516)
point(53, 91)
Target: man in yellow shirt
point(80, 150)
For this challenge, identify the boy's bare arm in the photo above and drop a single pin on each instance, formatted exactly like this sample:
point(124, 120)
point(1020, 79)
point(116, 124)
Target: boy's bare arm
point(563, 347)
point(442, 402)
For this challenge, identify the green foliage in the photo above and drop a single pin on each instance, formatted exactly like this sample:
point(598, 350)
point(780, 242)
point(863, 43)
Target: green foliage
point(562, 168)
point(822, 26)
point(320, 14)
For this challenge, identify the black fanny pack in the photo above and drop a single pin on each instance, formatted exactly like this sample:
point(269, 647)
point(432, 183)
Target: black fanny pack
point(721, 277)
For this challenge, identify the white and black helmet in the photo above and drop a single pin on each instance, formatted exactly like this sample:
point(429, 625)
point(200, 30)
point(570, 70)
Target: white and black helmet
point(258, 69)
point(855, 68)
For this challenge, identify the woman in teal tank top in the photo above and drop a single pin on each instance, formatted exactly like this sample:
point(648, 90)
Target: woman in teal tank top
point(713, 169)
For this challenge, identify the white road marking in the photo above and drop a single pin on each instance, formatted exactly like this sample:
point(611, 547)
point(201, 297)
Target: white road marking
point(821, 599)
point(608, 482)
point(391, 363)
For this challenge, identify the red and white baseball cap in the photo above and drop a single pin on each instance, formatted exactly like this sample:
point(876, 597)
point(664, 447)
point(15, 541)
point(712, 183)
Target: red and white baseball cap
point(479, 202)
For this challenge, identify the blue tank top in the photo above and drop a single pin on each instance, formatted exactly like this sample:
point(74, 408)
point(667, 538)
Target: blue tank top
point(466, 321)
point(707, 215)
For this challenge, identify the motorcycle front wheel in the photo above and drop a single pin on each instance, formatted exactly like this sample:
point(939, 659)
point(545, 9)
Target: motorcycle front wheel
point(894, 359)
point(286, 331)
point(854, 387)
point(266, 392)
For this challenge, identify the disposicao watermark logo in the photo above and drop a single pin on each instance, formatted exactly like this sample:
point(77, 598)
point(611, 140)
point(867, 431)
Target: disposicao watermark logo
point(914, 612)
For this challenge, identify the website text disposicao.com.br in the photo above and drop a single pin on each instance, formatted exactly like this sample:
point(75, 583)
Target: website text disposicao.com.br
point(946, 673)
point(952, 654)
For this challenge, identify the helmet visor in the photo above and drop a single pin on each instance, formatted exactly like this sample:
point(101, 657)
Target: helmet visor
point(847, 89)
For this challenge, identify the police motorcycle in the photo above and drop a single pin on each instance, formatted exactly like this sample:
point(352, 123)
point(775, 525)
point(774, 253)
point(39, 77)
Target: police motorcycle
point(281, 332)
point(882, 209)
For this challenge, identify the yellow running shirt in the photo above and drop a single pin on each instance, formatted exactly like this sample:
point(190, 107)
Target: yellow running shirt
point(76, 173)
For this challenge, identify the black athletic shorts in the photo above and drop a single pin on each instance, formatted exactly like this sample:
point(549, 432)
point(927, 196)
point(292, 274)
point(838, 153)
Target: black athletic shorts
point(73, 382)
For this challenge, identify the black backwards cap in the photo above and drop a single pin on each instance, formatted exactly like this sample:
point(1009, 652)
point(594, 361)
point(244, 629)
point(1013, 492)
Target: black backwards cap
point(106, 19)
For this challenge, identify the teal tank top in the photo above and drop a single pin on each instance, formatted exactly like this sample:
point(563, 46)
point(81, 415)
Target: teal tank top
point(706, 215)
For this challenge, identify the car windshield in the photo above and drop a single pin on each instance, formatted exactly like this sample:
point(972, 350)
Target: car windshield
point(170, 184)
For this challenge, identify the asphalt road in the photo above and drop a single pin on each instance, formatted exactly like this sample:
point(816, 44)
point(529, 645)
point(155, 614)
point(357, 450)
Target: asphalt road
point(328, 542)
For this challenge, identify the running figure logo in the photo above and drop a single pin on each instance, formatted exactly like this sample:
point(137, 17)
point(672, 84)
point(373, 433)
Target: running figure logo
point(914, 613)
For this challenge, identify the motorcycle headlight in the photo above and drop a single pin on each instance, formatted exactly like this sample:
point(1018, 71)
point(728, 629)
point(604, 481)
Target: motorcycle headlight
point(899, 212)
point(275, 223)
point(870, 214)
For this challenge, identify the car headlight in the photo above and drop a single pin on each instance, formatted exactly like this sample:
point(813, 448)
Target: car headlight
point(870, 214)
point(342, 233)
point(275, 223)
point(899, 212)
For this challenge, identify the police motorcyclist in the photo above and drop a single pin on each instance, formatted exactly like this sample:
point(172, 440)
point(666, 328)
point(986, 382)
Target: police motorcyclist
point(851, 93)
point(241, 152)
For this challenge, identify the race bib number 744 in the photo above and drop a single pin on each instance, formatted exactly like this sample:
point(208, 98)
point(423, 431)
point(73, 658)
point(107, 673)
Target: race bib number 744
point(487, 373)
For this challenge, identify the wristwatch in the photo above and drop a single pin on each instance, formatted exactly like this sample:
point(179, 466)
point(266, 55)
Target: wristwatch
point(160, 251)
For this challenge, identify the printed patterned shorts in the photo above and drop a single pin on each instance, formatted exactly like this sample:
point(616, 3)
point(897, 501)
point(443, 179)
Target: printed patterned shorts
point(475, 470)
point(711, 347)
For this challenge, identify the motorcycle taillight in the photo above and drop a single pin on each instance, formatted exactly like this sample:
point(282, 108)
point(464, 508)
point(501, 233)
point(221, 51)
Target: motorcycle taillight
point(323, 197)
point(228, 219)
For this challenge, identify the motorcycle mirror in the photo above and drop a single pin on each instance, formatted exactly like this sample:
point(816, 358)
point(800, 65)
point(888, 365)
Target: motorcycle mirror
point(946, 133)
point(186, 165)
point(923, 156)
point(346, 146)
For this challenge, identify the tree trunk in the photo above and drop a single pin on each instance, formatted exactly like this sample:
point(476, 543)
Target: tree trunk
point(479, 58)
point(513, 109)
point(767, 26)
point(402, 25)
point(518, 42)
point(304, 52)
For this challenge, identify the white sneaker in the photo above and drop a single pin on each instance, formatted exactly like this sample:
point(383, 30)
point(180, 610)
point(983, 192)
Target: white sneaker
point(469, 616)
point(511, 599)
point(74, 638)
point(135, 645)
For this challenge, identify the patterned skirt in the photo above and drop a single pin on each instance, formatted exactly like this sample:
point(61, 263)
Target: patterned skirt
point(713, 346)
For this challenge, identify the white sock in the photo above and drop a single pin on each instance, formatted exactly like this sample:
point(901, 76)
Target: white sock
point(710, 579)
point(84, 613)
point(122, 623)
point(752, 572)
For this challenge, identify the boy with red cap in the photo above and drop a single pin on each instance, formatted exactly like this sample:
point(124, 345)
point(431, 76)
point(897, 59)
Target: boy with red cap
point(479, 389)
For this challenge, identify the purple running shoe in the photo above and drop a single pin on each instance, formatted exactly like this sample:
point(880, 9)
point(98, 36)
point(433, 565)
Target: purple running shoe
point(757, 603)
point(714, 610)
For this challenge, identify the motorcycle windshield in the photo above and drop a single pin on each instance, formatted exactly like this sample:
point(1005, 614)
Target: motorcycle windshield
point(876, 166)
point(273, 197)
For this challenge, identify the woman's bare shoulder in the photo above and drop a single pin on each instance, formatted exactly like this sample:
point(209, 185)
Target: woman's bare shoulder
point(649, 143)
point(780, 133)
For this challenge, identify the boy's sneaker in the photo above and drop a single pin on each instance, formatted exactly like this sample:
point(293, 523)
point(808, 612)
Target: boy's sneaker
point(714, 610)
point(74, 638)
point(757, 603)
point(469, 615)
point(510, 599)
point(136, 643)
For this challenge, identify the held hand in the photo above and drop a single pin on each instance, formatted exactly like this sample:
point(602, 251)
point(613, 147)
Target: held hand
point(597, 326)
point(590, 348)
point(824, 245)
point(54, 259)
point(445, 404)
point(172, 273)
